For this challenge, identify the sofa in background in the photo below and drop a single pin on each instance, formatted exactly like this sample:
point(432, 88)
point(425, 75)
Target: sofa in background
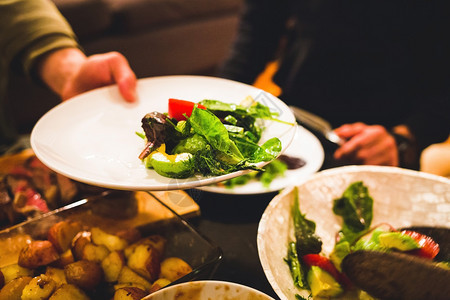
point(158, 37)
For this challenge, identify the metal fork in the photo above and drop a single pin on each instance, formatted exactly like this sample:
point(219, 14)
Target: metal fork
point(317, 123)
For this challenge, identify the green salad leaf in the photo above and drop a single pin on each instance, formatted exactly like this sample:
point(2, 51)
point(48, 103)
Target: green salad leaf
point(274, 169)
point(268, 151)
point(295, 267)
point(236, 115)
point(355, 206)
point(208, 125)
point(270, 171)
point(222, 138)
point(307, 241)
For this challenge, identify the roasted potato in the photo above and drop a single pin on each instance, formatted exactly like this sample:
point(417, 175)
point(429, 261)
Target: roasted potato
point(128, 284)
point(112, 265)
point(145, 260)
point(69, 292)
point(37, 254)
point(110, 241)
point(57, 275)
point(84, 274)
point(13, 289)
point(62, 233)
point(65, 258)
point(40, 287)
point(129, 276)
point(78, 260)
point(174, 268)
point(156, 241)
point(129, 293)
point(14, 271)
point(159, 284)
point(94, 252)
point(78, 243)
point(131, 235)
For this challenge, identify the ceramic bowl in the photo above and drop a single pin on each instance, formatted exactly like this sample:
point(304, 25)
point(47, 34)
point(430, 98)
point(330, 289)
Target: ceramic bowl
point(217, 290)
point(401, 198)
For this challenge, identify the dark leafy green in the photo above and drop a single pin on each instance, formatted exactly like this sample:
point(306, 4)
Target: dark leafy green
point(220, 106)
point(244, 144)
point(239, 180)
point(272, 170)
point(259, 110)
point(237, 115)
point(268, 151)
point(206, 163)
point(306, 239)
point(222, 138)
point(295, 267)
point(155, 128)
point(306, 242)
point(355, 206)
point(211, 128)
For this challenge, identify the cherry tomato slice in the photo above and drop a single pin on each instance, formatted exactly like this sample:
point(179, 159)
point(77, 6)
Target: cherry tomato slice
point(428, 247)
point(325, 264)
point(179, 108)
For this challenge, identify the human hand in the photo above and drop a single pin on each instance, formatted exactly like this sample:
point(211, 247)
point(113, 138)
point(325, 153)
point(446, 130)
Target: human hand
point(367, 145)
point(69, 72)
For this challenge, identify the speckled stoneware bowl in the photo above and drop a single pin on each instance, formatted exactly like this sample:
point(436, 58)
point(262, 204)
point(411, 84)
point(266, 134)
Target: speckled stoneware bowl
point(401, 198)
point(201, 290)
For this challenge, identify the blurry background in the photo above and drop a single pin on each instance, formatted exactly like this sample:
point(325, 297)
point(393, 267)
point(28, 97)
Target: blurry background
point(160, 37)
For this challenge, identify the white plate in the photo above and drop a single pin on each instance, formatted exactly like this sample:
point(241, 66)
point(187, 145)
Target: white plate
point(304, 146)
point(92, 139)
point(401, 198)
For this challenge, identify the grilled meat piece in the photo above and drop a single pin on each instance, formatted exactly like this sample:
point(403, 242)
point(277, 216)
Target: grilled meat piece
point(27, 200)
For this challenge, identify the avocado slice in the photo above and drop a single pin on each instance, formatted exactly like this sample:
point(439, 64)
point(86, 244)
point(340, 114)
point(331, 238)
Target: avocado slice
point(371, 241)
point(397, 240)
point(173, 166)
point(340, 251)
point(322, 284)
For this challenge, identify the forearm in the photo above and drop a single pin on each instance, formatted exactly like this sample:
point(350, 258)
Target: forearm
point(31, 29)
point(58, 67)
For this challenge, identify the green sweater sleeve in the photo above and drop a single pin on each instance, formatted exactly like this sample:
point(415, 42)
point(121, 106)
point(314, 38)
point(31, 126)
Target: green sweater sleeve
point(31, 29)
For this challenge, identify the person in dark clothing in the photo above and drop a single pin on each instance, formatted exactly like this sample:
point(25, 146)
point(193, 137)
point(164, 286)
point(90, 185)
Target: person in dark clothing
point(37, 42)
point(378, 71)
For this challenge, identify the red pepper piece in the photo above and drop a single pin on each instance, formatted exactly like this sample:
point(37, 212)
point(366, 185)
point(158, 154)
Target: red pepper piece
point(325, 264)
point(428, 247)
point(179, 108)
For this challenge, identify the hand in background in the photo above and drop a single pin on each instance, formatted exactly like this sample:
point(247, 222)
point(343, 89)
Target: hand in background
point(367, 145)
point(68, 72)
